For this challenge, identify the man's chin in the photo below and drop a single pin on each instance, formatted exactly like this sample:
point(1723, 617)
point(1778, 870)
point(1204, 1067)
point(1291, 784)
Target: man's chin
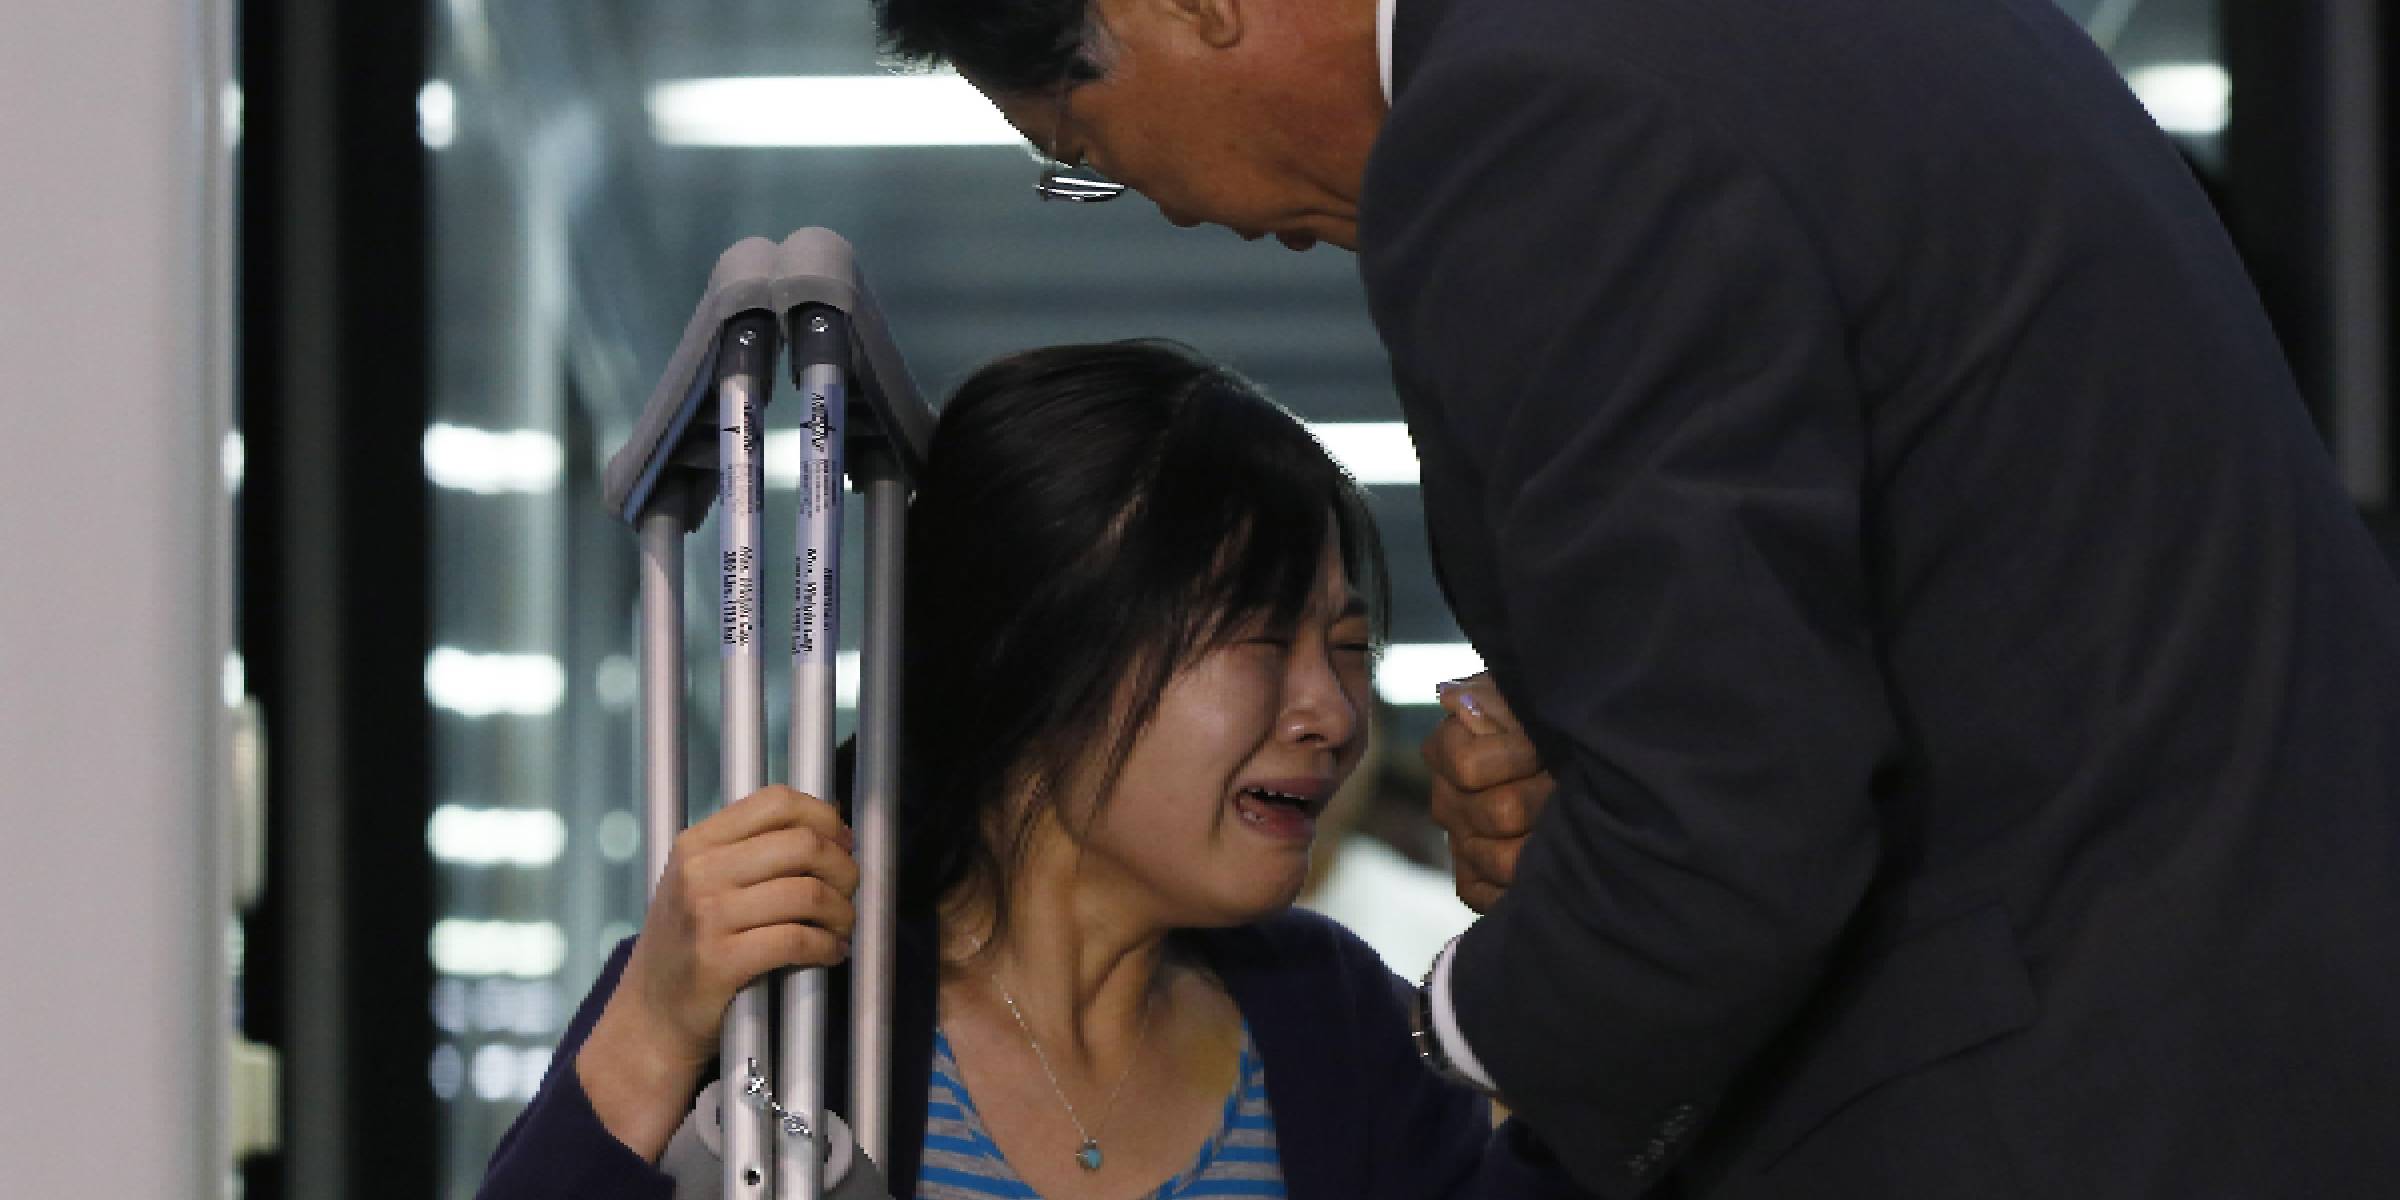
point(1343, 234)
point(1292, 239)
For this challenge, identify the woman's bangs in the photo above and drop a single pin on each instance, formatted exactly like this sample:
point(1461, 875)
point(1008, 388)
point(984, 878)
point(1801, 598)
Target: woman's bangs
point(1247, 499)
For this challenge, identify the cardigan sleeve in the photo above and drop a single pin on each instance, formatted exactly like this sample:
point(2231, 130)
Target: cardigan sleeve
point(1429, 1135)
point(1432, 1138)
point(1356, 1112)
point(557, 1148)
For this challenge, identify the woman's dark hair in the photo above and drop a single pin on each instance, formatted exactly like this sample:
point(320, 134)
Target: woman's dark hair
point(1091, 519)
point(1012, 46)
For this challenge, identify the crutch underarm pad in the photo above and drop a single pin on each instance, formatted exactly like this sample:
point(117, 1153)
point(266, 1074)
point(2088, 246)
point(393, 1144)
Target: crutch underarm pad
point(812, 266)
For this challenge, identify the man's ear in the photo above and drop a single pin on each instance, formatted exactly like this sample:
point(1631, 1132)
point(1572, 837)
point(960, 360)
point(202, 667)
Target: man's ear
point(1217, 24)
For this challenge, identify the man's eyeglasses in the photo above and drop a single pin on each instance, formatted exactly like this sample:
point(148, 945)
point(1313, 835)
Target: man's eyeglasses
point(1070, 181)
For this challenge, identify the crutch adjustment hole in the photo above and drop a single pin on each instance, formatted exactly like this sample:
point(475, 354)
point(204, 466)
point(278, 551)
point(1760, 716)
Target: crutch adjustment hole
point(751, 1177)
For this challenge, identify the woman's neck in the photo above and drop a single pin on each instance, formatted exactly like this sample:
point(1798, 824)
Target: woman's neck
point(1078, 964)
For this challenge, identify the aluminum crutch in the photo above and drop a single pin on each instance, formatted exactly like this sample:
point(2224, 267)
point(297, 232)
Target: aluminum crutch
point(820, 372)
point(745, 379)
point(860, 404)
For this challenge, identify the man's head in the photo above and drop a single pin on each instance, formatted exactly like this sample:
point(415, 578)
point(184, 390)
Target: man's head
point(1252, 114)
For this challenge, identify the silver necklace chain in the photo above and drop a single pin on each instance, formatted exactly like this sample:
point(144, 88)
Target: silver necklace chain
point(1091, 1140)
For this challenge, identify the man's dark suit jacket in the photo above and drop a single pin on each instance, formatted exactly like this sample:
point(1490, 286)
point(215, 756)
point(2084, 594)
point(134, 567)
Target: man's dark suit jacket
point(1854, 447)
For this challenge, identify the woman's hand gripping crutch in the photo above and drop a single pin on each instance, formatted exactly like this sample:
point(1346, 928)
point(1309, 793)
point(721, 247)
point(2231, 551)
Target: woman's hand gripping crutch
point(762, 884)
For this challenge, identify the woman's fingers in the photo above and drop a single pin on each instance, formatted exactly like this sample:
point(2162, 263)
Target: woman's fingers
point(774, 854)
point(763, 884)
point(769, 808)
point(772, 947)
point(805, 900)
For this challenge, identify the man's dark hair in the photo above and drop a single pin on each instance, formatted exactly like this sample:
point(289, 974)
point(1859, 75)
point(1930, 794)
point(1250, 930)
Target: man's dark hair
point(1091, 520)
point(1010, 46)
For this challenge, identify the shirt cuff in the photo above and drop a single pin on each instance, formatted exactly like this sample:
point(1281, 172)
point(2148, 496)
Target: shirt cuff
point(1445, 1024)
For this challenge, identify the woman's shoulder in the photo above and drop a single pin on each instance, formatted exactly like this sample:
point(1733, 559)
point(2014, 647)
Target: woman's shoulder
point(1356, 1114)
point(1295, 941)
point(1303, 972)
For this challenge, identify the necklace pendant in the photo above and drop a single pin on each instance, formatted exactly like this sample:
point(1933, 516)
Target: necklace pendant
point(1089, 1156)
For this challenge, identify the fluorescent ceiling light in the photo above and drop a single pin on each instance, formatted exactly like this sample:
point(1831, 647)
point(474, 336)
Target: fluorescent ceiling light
point(447, 1071)
point(524, 949)
point(233, 459)
point(826, 110)
point(2194, 99)
point(504, 1073)
point(487, 837)
point(1408, 671)
point(229, 113)
point(483, 685)
point(437, 114)
point(493, 462)
point(1374, 452)
point(525, 1007)
point(450, 1005)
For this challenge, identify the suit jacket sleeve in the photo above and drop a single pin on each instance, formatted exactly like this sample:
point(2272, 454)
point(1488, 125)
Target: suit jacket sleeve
point(1633, 394)
point(558, 1147)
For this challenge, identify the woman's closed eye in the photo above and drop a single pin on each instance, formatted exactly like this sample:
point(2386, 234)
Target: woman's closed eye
point(1348, 638)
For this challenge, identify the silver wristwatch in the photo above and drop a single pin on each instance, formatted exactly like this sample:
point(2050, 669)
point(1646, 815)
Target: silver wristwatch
point(1429, 1040)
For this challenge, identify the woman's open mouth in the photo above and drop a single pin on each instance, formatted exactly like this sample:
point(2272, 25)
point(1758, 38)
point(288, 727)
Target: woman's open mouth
point(1278, 813)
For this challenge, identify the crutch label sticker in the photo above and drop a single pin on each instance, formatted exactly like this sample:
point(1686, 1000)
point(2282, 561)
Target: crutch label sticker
point(816, 573)
point(741, 599)
point(739, 497)
point(737, 457)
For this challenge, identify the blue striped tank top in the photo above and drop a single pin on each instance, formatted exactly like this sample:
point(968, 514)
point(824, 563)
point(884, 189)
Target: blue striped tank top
point(961, 1161)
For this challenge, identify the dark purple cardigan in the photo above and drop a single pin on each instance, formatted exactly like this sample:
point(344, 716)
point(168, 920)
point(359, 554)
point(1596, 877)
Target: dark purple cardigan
point(1356, 1115)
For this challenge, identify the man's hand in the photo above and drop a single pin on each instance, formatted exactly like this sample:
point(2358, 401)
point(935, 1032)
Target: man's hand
point(1488, 786)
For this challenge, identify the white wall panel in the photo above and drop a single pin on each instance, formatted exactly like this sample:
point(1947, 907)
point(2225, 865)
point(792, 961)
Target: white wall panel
point(112, 614)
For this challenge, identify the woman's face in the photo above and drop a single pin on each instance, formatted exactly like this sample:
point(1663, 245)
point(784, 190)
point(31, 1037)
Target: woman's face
point(1212, 819)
